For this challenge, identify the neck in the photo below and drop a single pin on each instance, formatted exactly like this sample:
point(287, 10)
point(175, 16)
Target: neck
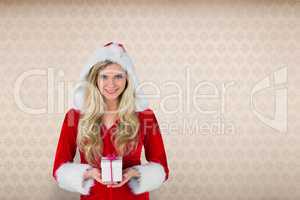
point(112, 105)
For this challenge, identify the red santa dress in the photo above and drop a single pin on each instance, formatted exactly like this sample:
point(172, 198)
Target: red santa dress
point(69, 175)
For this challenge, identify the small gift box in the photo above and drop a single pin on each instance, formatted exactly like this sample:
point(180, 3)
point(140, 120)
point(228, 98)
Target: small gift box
point(111, 169)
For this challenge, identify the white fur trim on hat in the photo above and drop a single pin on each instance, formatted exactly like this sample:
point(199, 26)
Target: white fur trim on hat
point(152, 176)
point(116, 54)
point(70, 177)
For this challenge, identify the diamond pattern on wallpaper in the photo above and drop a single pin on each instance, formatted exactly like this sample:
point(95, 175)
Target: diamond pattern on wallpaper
point(217, 147)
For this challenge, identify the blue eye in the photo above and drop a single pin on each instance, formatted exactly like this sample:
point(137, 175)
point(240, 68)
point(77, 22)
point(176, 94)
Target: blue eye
point(103, 76)
point(116, 77)
point(119, 76)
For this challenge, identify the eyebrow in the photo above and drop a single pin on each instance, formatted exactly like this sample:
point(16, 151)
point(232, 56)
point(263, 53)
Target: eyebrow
point(114, 75)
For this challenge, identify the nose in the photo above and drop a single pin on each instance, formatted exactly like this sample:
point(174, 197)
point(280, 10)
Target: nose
point(110, 82)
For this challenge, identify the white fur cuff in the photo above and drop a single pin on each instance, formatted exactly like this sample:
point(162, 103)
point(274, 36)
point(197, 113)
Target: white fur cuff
point(152, 177)
point(70, 177)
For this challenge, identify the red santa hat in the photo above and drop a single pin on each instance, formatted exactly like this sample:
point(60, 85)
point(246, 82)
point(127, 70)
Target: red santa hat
point(114, 52)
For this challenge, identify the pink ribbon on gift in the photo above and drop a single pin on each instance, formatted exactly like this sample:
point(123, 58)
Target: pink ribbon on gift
point(111, 157)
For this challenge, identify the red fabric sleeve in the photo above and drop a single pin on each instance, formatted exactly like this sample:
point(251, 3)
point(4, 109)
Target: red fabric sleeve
point(153, 142)
point(66, 147)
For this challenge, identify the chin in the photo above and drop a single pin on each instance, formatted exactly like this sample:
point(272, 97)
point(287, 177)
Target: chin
point(111, 97)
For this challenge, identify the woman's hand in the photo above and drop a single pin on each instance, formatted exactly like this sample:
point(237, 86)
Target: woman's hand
point(93, 173)
point(127, 175)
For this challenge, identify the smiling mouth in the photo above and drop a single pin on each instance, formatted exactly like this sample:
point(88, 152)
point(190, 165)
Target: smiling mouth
point(111, 91)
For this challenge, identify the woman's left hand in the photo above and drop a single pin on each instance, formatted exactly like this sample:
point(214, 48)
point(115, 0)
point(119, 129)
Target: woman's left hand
point(127, 175)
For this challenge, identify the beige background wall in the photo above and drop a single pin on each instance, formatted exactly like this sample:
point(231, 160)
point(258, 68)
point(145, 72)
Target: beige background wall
point(178, 48)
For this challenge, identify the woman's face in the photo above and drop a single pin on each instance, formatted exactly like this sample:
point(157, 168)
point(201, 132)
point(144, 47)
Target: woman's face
point(112, 81)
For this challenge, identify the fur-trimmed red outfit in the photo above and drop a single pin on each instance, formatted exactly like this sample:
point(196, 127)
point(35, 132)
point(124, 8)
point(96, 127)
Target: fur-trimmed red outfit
point(69, 175)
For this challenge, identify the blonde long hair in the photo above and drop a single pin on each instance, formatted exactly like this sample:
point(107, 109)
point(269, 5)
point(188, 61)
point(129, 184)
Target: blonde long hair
point(89, 139)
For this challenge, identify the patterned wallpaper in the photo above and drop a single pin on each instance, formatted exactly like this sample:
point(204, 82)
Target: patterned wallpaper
point(221, 76)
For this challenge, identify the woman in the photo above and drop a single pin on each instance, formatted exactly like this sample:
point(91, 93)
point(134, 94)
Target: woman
point(110, 117)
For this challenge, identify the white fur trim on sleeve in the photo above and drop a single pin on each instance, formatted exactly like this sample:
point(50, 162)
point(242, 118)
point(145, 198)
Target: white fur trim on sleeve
point(152, 175)
point(70, 177)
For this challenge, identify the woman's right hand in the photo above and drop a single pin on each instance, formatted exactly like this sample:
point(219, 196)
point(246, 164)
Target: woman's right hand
point(93, 173)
